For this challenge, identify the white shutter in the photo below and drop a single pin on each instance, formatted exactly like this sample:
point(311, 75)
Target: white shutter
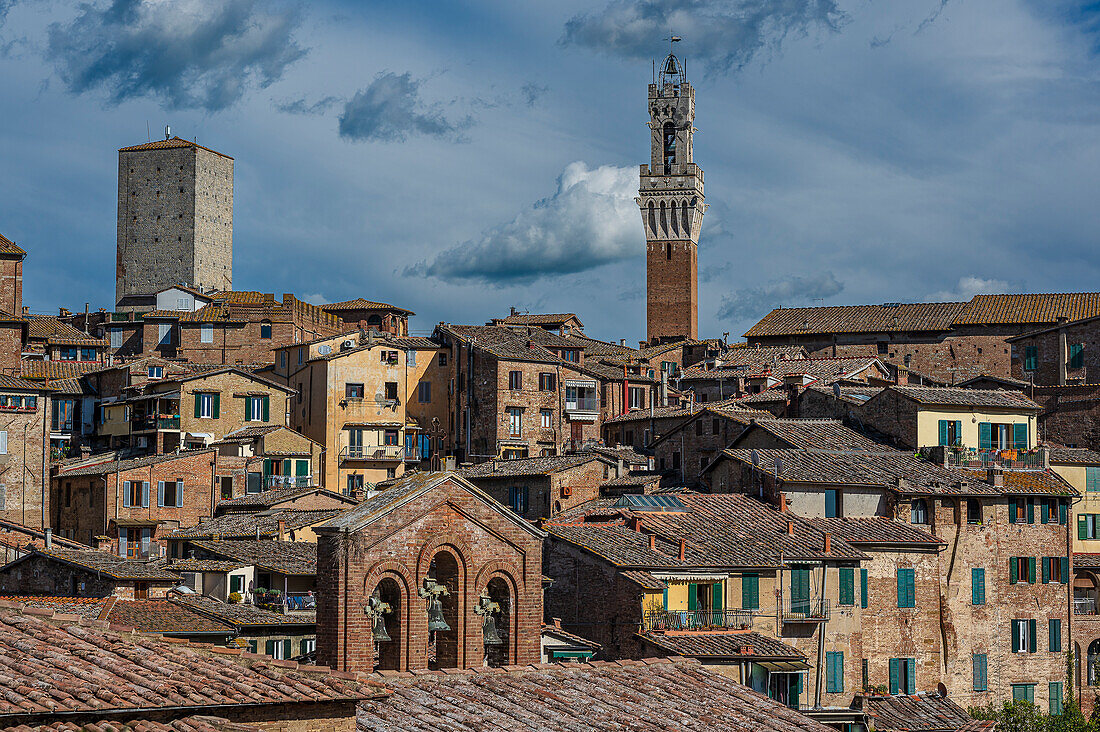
point(3, 442)
point(116, 338)
point(179, 493)
point(165, 334)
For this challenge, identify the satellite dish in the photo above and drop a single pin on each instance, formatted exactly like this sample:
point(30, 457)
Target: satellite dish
point(941, 690)
point(779, 466)
point(836, 390)
point(755, 456)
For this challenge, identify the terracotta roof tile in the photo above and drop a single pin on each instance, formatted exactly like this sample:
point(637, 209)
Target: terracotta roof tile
point(245, 525)
point(112, 466)
point(162, 616)
point(924, 712)
point(242, 615)
point(724, 645)
point(817, 434)
point(87, 607)
point(7, 246)
point(875, 530)
point(537, 319)
point(955, 396)
point(193, 723)
point(528, 466)
point(891, 317)
point(175, 142)
point(1030, 482)
point(1035, 308)
point(33, 369)
point(111, 565)
point(1074, 455)
point(581, 698)
point(284, 557)
point(12, 382)
point(361, 304)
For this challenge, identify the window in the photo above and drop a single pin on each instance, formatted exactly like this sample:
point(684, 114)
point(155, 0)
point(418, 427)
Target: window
point(87, 354)
point(669, 131)
point(834, 672)
point(1055, 570)
point(354, 484)
point(389, 357)
point(918, 511)
point(1002, 436)
point(1048, 510)
point(156, 372)
point(950, 432)
point(206, 405)
point(255, 483)
point(390, 437)
point(265, 330)
point(391, 390)
point(424, 392)
point(62, 420)
point(1023, 636)
point(980, 663)
point(301, 355)
point(863, 589)
point(715, 426)
point(68, 353)
point(442, 359)
point(907, 591)
point(570, 356)
point(236, 583)
point(282, 359)
point(1031, 358)
point(1087, 524)
point(257, 409)
point(518, 497)
point(279, 649)
point(832, 503)
point(1077, 356)
point(847, 589)
point(410, 358)
point(170, 493)
point(546, 382)
point(1054, 635)
point(883, 348)
point(116, 337)
point(308, 645)
point(637, 397)
point(515, 380)
point(750, 591)
point(353, 391)
point(164, 334)
point(1054, 697)
point(903, 676)
point(1092, 480)
point(977, 586)
point(1021, 569)
point(135, 494)
point(206, 334)
point(546, 418)
point(1023, 692)
point(1021, 510)
point(698, 427)
point(973, 511)
point(515, 421)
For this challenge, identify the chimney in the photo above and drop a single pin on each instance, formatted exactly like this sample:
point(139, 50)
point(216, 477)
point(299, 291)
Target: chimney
point(790, 527)
point(783, 502)
point(828, 542)
point(683, 546)
point(281, 530)
point(635, 523)
point(513, 310)
point(49, 538)
point(103, 543)
point(652, 542)
point(902, 377)
point(995, 477)
point(622, 341)
point(556, 622)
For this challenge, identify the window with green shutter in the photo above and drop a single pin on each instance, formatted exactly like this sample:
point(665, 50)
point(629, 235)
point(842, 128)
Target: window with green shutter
point(301, 468)
point(950, 432)
point(863, 588)
point(1054, 632)
point(1031, 358)
point(1019, 436)
point(903, 675)
point(1092, 480)
point(1077, 355)
point(834, 672)
point(1023, 692)
point(977, 585)
point(1054, 697)
point(985, 436)
point(750, 592)
point(847, 593)
point(907, 593)
point(980, 663)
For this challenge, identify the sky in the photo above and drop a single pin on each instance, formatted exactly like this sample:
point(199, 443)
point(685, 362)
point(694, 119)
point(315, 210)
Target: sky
point(460, 158)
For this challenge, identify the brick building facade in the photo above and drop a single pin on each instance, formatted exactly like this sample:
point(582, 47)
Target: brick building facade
point(434, 525)
point(544, 486)
point(25, 409)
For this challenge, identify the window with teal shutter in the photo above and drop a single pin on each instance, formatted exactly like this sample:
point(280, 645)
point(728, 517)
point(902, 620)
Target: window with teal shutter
point(1092, 480)
point(943, 432)
point(1023, 692)
point(834, 672)
point(1031, 358)
point(664, 599)
point(981, 668)
point(907, 595)
point(863, 588)
point(847, 590)
point(977, 585)
point(903, 675)
point(985, 436)
point(716, 597)
point(1077, 356)
point(1019, 436)
point(1054, 633)
point(895, 675)
point(693, 597)
point(750, 592)
point(1054, 696)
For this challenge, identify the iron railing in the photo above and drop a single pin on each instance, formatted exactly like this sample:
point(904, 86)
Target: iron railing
point(697, 619)
point(1084, 606)
point(969, 457)
point(582, 404)
point(805, 611)
point(287, 481)
point(372, 452)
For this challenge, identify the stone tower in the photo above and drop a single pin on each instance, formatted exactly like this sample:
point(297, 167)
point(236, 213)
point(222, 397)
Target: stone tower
point(175, 218)
point(671, 200)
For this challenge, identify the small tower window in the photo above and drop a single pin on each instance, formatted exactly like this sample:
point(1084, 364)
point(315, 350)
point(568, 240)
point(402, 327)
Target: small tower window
point(668, 251)
point(670, 146)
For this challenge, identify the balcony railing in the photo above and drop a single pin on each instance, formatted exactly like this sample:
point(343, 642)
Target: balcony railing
point(287, 481)
point(969, 457)
point(140, 424)
point(697, 619)
point(805, 611)
point(1084, 606)
point(372, 452)
point(583, 404)
point(284, 602)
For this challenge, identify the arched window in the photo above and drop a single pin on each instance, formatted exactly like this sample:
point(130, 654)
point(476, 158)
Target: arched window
point(675, 217)
point(652, 218)
point(918, 511)
point(664, 220)
point(445, 570)
point(499, 654)
point(687, 219)
point(388, 653)
point(668, 251)
point(265, 329)
point(670, 146)
point(375, 321)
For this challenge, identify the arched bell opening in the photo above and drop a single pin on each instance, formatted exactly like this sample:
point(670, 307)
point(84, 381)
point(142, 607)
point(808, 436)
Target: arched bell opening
point(496, 608)
point(443, 625)
point(387, 606)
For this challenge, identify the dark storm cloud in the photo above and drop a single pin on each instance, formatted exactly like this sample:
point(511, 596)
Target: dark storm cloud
point(755, 302)
point(724, 34)
point(189, 54)
point(589, 221)
point(391, 110)
point(301, 106)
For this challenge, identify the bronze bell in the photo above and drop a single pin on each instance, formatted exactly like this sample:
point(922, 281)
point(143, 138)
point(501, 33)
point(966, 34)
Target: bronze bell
point(380, 634)
point(436, 622)
point(489, 631)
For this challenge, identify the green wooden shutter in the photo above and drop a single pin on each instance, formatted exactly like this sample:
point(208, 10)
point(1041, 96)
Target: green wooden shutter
point(1054, 633)
point(1031, 510)
point(834, 672)
point(977, 586)
point(1065, 570)
point(716, 596)
point(693, 599)
point(800, 590)
point(906, 587)
point(750, 592)
point(1031, 570)
point(1019, 436)
point(943, 431)
point(286, 649)
point(1054, 696)
point(911, 676)
point(301, 468)
point(198, 405)
point(267, 467)
point(1011, 510)
point(979, 661)
point(1032, 636)
point(664, 599)
point(217, 405)
point(863, 588)
point(1046, 570)
point(1082, 530)
point(1013, 572)
point(1016, 629)
point(1076, 355)
point(1092, 480)
point(1044, 514)
point(286, 466)
point(985, 435)
point(267, 408)
point(894, 674)
point(269, 647)
point(248, 409)
point(847, 586)
point(1063, 512)
point(958, 431)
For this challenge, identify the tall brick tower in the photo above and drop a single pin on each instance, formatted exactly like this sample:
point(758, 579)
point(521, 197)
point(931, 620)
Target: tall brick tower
point(671, 200)
point(175, 218)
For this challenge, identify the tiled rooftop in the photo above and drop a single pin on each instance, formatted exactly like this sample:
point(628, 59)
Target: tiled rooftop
point(527, 466)
point(362, 304)
point(1074, 455)
point(283, 557)
point(650, 696)
point(724, 644)
point(243, 615)
point(1038, 308)
point(275, 496)
point(924, 712)
point(85, 607)
point(892, 317)
point(14, 382)
point(175, 142)
point(875, 530)
point(253, 524)
point(1030, 482)
point(112, 466)
point(7, 246)
point(538, 318)
point(193, 723)
point(504, 343)
point(162, 616)
point(955, 396)
point(819, 434)
point(108, 564)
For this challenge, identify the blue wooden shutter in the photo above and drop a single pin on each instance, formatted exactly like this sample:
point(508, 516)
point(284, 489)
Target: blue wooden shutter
point(286, 649)
point(716, 596)
point(198, 405)
point(1063, 512)
point(863, 588)
point(1044, 513)
point(145, 494)
point(958, 431)
point(179, 493)
point(1054, 696)
point(894, 675)
point(977, 586)
point(160, 493)
point(985, 435)
point(830, 502)
point(1054, 633)
point(1016, 633)
point(1082, 528)
point(664, 599)
point(269, 647)
point(1019, 436)
point(126, 494)
point(122, 542)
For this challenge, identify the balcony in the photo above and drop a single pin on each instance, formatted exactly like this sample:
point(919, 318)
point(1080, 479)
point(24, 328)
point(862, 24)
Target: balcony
point(697, 619)
point(146, 424)
point(280, 602)
point(969, 457)
point(287, 481)
point(372, 452)
point(1085, 606)
point(805, 611)
point(583, 404)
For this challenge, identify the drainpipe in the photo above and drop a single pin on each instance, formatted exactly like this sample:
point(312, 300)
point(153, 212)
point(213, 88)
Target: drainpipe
point(626, 392)
point(820, 672)
point(45, 452)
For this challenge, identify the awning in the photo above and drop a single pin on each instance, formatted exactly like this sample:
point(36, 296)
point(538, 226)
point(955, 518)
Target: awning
point(784, 666)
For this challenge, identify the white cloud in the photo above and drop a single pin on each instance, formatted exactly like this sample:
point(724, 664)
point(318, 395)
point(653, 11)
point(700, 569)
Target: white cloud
point(970, 286)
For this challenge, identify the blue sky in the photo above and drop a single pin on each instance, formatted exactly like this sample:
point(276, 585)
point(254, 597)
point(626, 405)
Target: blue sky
point(460, 158)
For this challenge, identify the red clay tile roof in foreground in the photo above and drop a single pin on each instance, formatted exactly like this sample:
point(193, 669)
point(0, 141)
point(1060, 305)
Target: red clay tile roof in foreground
point(651, 695)
point(925, 712)
point(194, 723)
point(93, 668)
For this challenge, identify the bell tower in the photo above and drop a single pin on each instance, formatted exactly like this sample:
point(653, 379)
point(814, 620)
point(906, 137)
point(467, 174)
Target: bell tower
point(670, 195)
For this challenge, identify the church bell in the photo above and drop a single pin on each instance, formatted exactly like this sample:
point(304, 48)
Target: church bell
point(380, 634)
point(435, 616)
point(489, 632)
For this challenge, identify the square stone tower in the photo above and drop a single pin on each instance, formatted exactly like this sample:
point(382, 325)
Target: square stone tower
point(175, 218)
point(670, 195)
